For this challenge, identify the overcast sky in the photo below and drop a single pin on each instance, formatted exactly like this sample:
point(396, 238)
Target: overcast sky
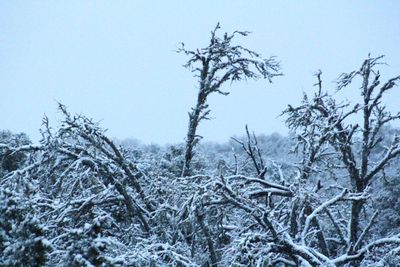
point(114, 61)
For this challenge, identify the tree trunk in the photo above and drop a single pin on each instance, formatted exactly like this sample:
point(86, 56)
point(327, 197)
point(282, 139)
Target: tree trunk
point(194, 119)
point(354, 223)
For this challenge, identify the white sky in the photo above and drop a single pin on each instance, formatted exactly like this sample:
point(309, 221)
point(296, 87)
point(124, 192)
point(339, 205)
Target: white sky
point(114, 60)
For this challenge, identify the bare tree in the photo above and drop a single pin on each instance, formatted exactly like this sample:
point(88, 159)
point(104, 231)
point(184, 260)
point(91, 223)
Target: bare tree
point(326, 133)
point(251, 148)
point(220, 62)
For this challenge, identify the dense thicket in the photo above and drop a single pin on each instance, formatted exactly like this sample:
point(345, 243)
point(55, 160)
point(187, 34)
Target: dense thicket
point(326, 195)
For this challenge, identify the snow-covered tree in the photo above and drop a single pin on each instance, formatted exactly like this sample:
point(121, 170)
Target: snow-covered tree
point(11, 160)
point(326, 195)
point(22, 236)
point(220, 62)
point(331, 138)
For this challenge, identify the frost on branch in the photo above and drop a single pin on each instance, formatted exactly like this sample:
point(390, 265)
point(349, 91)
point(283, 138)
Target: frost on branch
point(329, 138)
point(81, 198)
point(22, 237)
point(220, 62)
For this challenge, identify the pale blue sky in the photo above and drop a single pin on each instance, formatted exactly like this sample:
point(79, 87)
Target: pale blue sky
point(115, 60)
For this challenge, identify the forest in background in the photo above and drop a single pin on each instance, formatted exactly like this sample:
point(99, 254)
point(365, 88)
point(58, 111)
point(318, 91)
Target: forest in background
point(326, 195)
